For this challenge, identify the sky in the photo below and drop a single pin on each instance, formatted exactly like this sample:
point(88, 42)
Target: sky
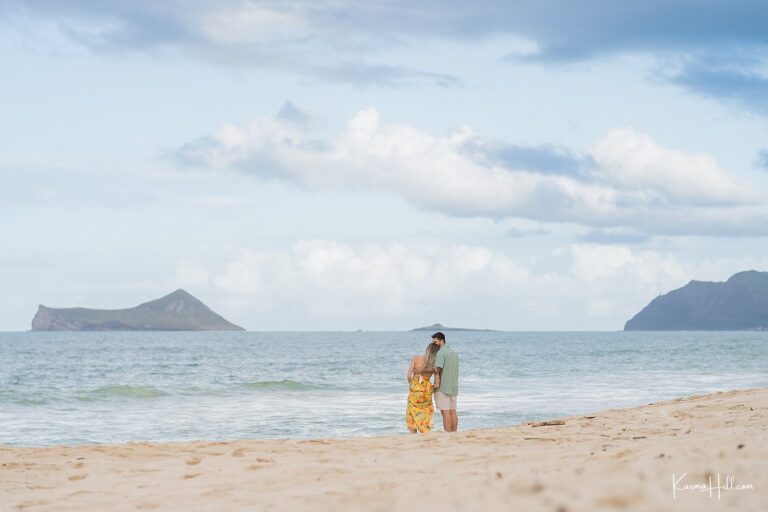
point(380, 165)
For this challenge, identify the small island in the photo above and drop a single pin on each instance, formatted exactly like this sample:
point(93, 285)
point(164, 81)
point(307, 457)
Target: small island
point(741, 303)
point(178, 311)
point(441, 327)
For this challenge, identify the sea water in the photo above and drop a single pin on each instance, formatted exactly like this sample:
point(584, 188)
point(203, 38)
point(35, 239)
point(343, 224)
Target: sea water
point(113, 387)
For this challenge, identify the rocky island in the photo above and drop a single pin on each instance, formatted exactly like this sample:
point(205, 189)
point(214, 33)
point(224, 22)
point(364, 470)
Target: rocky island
point(741, 303)
point(441, 327)
point(178, 311)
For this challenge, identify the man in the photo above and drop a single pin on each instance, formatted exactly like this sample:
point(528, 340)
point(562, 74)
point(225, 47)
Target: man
point(447, 364)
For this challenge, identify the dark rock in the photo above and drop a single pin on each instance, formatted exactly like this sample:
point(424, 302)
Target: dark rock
point(441, 327)
point(178, 311)
point(741, 303)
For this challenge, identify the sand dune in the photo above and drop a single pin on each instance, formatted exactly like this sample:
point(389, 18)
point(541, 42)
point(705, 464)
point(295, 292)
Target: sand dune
point(609, 460)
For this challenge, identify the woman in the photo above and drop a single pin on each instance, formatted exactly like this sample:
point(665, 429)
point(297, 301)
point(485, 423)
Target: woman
point(419, 411)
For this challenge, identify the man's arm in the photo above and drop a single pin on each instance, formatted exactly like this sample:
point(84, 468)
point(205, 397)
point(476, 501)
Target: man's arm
point(439, 363)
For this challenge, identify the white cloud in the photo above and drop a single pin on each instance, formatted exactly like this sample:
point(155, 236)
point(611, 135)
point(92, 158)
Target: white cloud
point(630, 160)
point(330, 277)
point(249, 22)
point(190, 273)
point(317, 280)
point(592, 262)
point(635, 182)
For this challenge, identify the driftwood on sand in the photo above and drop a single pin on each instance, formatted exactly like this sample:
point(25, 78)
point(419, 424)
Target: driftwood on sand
point(549, 423)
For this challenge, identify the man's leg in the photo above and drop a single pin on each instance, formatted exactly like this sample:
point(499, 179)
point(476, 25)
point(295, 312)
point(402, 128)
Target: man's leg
point(447, 420)
point(454, 417)
point(454, 420)
point(443, 403)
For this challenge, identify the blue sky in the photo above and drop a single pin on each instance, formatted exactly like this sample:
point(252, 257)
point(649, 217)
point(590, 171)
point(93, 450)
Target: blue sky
point(380, 165)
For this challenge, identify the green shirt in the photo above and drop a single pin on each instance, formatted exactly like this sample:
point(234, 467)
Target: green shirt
point(448, 360)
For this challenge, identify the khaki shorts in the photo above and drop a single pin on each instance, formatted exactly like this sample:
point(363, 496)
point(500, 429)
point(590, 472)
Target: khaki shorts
point(445, 402)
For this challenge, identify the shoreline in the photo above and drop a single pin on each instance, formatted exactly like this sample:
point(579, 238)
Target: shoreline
point(437, 430)
point(610, 459)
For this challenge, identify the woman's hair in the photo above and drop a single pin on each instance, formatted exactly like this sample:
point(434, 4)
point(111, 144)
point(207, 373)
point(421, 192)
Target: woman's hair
point(429, 356)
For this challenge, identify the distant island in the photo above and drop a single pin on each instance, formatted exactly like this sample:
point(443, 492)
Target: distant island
point(441, 327)
point(741, 303)
point(178, 311)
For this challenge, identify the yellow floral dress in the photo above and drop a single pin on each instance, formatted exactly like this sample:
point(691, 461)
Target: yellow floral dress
point(419, 411)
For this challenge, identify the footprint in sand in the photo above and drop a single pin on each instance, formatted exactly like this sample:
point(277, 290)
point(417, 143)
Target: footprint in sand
point(79, 465)
point(614, 501)
point(240, 452)
point(189, 476)
point(260, 464)
point(194, 461)
point(147, 505)
point(78, 493)
point(30, 503)
point(74, 478)
point(622, 454)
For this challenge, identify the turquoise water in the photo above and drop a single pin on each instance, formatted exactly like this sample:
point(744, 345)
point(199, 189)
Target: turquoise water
point(75, 388)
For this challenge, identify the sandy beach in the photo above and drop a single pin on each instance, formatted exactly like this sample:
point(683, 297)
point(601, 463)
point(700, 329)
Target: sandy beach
point(609, 460)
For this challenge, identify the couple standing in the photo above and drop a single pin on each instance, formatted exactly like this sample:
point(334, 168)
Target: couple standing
point(442, 363)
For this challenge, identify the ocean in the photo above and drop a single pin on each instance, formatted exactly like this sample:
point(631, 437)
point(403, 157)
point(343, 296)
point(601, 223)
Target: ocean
point(114, 387)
